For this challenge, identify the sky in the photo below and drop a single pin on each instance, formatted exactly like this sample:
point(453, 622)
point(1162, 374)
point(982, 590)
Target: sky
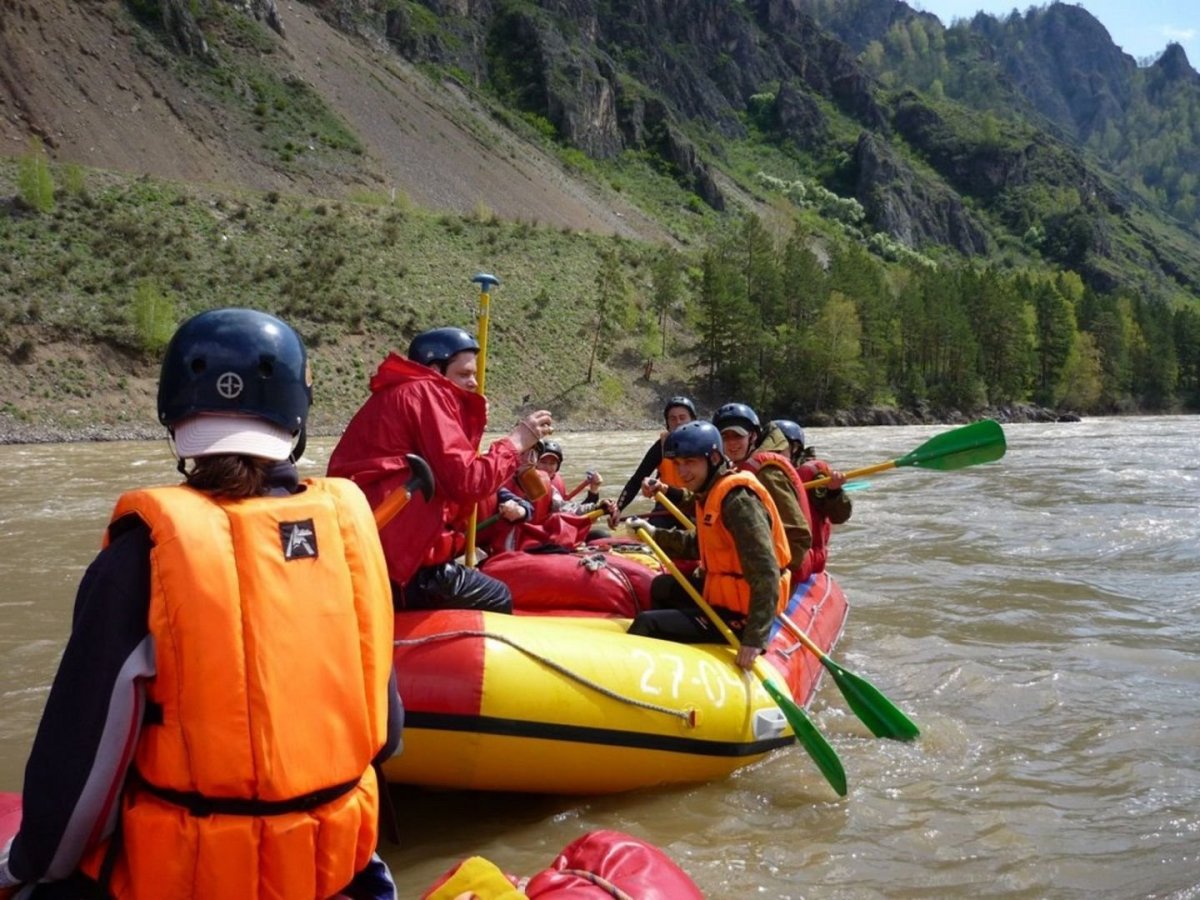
point(1139, 27)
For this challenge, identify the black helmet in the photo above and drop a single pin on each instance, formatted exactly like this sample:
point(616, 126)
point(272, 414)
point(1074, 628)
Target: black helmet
point(235, 361)
point(554, 448)
point(698, 438)
point(684, 402)
point(790, 430)
point(737, 415)
point(438, 345)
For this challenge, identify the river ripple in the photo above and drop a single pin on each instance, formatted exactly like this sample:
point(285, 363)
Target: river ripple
point(1037, 616)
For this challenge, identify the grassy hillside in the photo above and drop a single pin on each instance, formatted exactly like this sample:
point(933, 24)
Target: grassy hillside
point(90, 289)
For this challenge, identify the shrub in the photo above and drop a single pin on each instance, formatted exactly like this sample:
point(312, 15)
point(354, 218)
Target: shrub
point(153, 316)
point(35, 184)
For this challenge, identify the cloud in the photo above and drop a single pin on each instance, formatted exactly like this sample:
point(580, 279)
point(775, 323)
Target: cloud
point(1182, 35)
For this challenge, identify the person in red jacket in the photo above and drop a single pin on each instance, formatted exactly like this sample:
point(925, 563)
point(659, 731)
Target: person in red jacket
point(427, 404)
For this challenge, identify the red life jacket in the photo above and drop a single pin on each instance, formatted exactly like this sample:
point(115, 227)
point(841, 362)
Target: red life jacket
point(822, 528)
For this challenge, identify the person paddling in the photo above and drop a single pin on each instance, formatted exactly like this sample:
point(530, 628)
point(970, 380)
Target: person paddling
point(657, 472)
point(739, 540)
point(752, 449)
point(426, 403)
point(829, 505)
point(547, 518)
point(228, 683)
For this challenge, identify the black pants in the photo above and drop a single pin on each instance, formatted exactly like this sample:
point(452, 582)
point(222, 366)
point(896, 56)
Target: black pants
point(453, 586)
point(676, 617)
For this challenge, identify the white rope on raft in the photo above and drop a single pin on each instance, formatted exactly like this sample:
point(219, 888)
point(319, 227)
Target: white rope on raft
point(687, 715)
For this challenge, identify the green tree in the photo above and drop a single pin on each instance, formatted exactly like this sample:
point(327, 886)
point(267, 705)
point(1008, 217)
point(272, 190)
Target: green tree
point(1081, 384)
point(1003, 327)
point(664, 274)
point(835, 346)
point(725, 319)
point(609, 301)
point(1054, 336)
point(1186, 337)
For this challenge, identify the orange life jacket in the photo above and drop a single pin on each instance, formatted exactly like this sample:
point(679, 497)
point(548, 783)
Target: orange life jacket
point(800, 567)
point(668, 471)
point(724, 583)
point(272, 626)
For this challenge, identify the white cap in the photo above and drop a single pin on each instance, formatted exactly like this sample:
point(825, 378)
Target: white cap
point(736, 429)
point(209, 434)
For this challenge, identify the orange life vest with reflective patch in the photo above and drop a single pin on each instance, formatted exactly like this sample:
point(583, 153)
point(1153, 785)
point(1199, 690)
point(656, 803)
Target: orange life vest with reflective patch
point(724, 583)
point(272, 626)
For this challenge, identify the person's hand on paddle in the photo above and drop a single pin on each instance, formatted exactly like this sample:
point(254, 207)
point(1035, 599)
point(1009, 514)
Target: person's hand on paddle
point(746, 656)
point(652, 485)
point(611, 510)
point(836, 478)
point(531, 429)
point(511, 511)
point(634, 524)
point(594, 481)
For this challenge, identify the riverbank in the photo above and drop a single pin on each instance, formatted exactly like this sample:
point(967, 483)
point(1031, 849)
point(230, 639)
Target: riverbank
point(17, 431)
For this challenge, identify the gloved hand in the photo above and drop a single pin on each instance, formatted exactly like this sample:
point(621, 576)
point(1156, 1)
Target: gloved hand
point(634, 523)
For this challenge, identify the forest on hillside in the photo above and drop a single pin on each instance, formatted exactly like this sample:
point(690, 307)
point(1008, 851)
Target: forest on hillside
point(786, 331)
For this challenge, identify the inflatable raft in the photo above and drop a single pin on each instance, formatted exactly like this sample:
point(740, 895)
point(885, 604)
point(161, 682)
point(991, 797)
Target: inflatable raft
point(599, 864)
point(574, 705)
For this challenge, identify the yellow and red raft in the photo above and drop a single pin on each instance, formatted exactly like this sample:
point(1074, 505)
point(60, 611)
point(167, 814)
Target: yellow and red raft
point(548, 701)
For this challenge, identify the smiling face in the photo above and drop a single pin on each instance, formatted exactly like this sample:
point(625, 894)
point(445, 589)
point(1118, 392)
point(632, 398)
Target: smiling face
point(737, 445)
point(676, 416)
point(461, 370)
point(693, 471)
point(548, 463)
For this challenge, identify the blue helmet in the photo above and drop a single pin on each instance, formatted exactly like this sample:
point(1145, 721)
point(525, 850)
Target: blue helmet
point(235, 361)
point(698, 438)
point(437, 346)
point(737, 415)
point(790, 430)
point(681, 401)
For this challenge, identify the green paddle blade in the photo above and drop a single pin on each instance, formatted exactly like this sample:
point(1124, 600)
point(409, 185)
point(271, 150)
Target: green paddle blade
point(874, 709)
point(814, 742)
point(979, 442)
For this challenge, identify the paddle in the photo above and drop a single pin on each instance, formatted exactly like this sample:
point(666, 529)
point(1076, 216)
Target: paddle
point(875, 710)
point(421, 480)
point(979, 442)
point(485, 282)
point(579, 487)
point(814, 742)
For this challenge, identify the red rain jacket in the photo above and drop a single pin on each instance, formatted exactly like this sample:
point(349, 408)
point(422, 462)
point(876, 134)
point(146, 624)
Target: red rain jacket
point(416, 409)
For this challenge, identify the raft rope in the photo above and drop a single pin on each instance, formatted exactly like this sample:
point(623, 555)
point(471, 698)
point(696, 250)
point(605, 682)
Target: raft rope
point(687, 715)
point(600, 882)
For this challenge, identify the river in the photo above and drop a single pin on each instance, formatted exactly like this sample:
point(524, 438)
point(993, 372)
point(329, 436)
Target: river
point(1039, 617)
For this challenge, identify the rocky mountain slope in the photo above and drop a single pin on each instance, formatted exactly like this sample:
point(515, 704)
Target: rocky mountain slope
point(649, 122)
